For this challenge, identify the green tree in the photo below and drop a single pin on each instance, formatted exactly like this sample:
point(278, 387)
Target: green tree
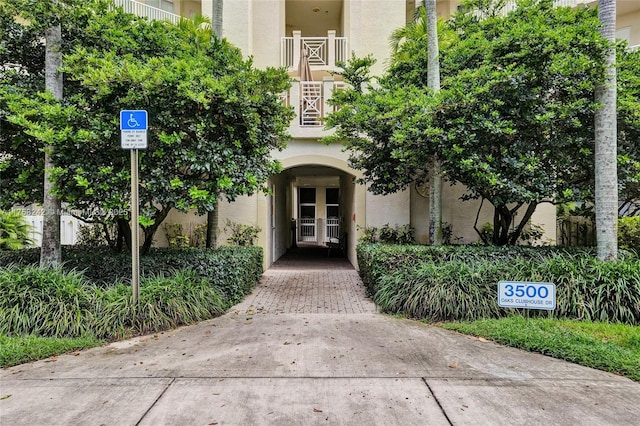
point(214, 120)
point(513, 121)
point(628, 116)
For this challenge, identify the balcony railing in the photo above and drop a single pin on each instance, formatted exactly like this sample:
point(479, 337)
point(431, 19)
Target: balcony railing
point(323, 52)
point(146, 11)
point(309, 100)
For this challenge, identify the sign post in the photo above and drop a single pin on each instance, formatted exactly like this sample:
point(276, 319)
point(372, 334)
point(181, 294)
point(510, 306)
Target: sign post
point(133, 128)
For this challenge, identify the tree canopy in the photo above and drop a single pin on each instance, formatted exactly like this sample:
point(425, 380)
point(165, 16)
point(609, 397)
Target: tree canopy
point(513, 121)
point(214, 119)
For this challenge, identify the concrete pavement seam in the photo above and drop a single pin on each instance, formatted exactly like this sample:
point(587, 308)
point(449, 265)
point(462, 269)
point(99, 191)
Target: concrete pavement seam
point(444, 413)
point(156, 401)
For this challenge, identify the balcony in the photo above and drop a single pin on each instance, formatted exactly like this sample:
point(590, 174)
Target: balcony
point(309, 101)
point(323, 52)
point(146, 11)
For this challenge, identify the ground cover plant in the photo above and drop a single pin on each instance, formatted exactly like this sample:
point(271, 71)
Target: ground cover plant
point(605, 346)
point(460, 282)
point(233, 269)
point(177, 287)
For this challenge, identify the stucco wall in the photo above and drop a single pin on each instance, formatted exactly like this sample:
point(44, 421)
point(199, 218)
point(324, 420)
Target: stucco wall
point(632, 22)
point(393, 209)
point(368, 24)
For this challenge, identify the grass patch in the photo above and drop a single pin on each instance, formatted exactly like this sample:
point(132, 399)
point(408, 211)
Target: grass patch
point(611, 347)
point(16, 350)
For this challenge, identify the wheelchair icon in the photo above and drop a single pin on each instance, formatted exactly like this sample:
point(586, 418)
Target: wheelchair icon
point(132, 122)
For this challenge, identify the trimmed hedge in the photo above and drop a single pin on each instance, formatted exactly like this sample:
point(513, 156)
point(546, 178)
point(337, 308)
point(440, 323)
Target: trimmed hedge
point(178, 287)
point(235, 270)
point(460, 282)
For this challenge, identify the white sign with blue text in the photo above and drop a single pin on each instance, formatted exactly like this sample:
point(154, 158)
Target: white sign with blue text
point(522, 294)
point(133, 129)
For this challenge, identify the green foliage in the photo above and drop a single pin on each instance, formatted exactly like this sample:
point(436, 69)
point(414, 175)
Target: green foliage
point(241, 235)
point(44, 302)
point(460, 282)
point(388, 235)
point(14, 231)
point(175, 235)
point(629, 232)
point(182, 298)
point(177, 287)
point(199, 236)
point(513, 121)
point(605, 346)
point(93, 235)
point(214, 119)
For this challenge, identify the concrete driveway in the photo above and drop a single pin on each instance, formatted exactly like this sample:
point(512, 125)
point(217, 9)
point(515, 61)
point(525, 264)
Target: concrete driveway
point(307, 347)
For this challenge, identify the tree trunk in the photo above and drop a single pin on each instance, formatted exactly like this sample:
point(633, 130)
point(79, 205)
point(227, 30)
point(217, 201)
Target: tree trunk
point(217, 18)
point(124, 234)
point(213, 218)
point(150, 231)
point(50, 252)
point(606, 174)
point(433, 83)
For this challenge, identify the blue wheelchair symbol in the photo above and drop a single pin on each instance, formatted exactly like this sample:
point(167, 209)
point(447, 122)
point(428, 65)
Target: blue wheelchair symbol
point(133, 120)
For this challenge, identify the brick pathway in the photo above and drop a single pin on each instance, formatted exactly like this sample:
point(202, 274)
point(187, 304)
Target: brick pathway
point(307, 281)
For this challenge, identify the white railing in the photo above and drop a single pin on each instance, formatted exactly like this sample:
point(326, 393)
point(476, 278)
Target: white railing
point(146, 11)
point(333, 228)
point(323, 52)
point(309, 101)
point(69, 229)
point(308, 230)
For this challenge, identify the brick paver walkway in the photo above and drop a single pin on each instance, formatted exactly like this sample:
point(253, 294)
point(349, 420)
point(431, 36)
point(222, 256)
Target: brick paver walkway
point(306, 281)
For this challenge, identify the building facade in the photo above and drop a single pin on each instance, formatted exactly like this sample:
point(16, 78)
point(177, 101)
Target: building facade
point(315, 197)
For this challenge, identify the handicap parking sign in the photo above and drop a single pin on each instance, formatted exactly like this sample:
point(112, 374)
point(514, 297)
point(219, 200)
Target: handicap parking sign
point(133, 129)
point(133, 120)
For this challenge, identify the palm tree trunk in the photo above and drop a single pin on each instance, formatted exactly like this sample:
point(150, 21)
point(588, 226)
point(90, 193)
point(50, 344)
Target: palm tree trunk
point(433, 83)
point(606, 174)
point(50, 252)
point(213, 216)
point(217, 18)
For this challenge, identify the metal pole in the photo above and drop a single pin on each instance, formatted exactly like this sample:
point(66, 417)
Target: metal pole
point(135, 244)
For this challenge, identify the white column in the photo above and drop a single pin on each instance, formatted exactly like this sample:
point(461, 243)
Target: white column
point(327, 92)
point(294, 99)
point(297, 36)
point(331, 49)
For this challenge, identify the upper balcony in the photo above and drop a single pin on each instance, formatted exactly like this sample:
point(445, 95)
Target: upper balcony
point(147, 11)
point(323, 52)
point(310, 92)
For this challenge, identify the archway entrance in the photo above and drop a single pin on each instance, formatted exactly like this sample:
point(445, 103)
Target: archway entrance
point(312, 211)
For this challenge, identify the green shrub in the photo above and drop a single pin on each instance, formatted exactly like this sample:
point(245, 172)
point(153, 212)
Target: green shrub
point(94, 234)
point(241, 235)
point(388, 235)
point(45, 302)
point(165, 302)
point(177, 287)
point(175, 236)
point(629, 232)
point(14, 231)
point(241, 266)
point(460, 283)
